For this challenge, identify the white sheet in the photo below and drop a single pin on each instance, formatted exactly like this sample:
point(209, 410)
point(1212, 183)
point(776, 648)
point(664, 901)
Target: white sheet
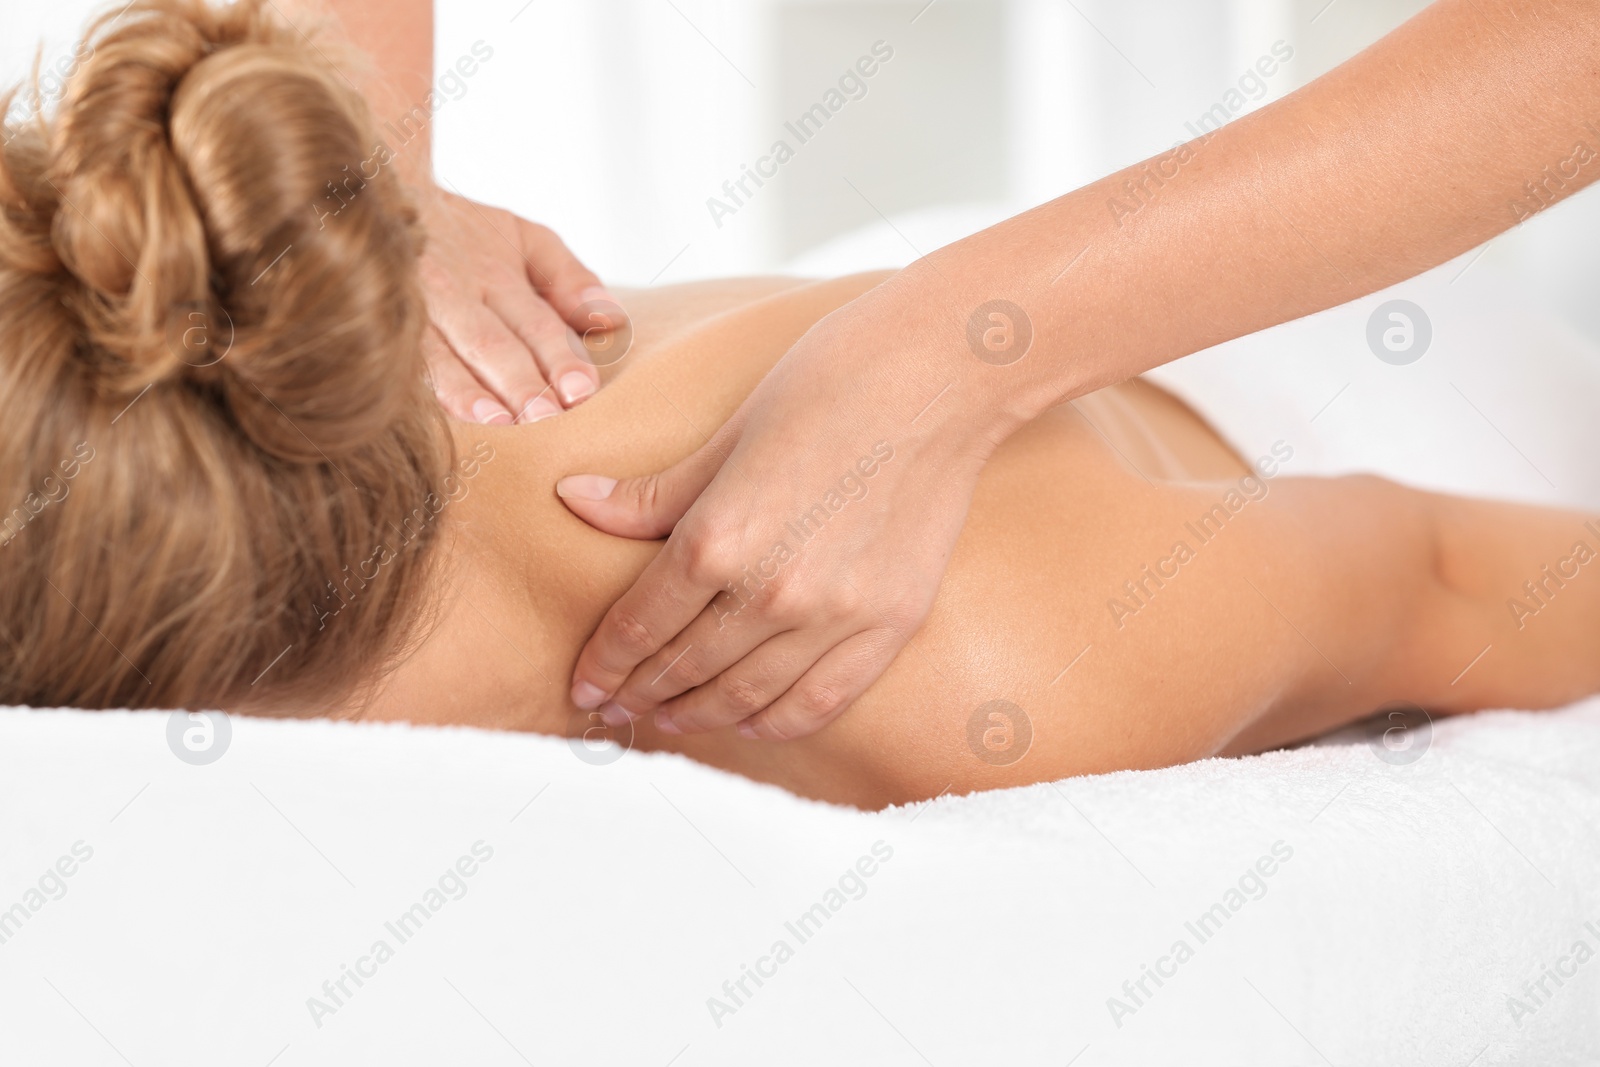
point(620, 897)
point(1500, 402)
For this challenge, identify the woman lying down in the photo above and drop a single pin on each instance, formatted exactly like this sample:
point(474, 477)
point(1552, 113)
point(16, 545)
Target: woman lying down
point(294, 528)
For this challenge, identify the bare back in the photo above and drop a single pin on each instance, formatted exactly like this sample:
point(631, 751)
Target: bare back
point(1127, 592)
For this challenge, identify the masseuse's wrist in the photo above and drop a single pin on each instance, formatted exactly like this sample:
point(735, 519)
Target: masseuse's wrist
point(965, 350)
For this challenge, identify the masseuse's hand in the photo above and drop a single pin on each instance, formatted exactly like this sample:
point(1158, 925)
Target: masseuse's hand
point(504, 299)
point(809, 536)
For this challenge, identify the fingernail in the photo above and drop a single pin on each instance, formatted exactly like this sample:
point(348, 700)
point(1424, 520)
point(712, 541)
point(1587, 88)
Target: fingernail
point(586, 696)
point(575, 386)
point(540, 407)
point(746, 730)
point(614, 714)
point(490, 412)
point(585, 487)
point(665, 724)
point(597, 293)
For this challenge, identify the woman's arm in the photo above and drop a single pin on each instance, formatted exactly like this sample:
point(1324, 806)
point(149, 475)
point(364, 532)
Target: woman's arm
point(1457, 126)
point(1444, 602)
point(397, 38)
point(504, 295)
point(1415, 150)
point(1522, 600)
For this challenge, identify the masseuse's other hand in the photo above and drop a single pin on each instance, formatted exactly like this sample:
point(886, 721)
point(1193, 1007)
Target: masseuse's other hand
point(504, 299)
point(808, 538)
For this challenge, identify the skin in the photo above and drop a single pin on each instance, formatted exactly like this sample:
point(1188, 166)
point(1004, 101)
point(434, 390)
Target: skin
point(1450, 130)
point(506, 298)
point(1320, 601)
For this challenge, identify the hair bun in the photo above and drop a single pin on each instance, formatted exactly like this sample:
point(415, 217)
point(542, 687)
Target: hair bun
point(227, 380)
point(187, 163)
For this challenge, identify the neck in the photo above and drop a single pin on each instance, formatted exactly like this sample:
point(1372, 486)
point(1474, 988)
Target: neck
point(518, 585)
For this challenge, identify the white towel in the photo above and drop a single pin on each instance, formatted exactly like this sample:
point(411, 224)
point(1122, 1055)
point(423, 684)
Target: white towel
point(1406, 902)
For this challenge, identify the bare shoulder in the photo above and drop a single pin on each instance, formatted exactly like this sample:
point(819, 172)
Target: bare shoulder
point(668, 311)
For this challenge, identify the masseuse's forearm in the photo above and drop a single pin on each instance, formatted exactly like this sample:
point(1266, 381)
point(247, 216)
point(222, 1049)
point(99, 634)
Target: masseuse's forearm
point(397, 39)
point(1413, 152)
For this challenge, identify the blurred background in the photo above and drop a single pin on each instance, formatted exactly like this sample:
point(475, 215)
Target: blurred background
point(627, 124)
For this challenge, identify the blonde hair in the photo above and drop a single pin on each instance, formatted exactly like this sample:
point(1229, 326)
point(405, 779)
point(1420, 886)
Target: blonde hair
point(212, 400)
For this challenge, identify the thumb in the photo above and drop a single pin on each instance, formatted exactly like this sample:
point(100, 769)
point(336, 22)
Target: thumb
point(646, 507)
